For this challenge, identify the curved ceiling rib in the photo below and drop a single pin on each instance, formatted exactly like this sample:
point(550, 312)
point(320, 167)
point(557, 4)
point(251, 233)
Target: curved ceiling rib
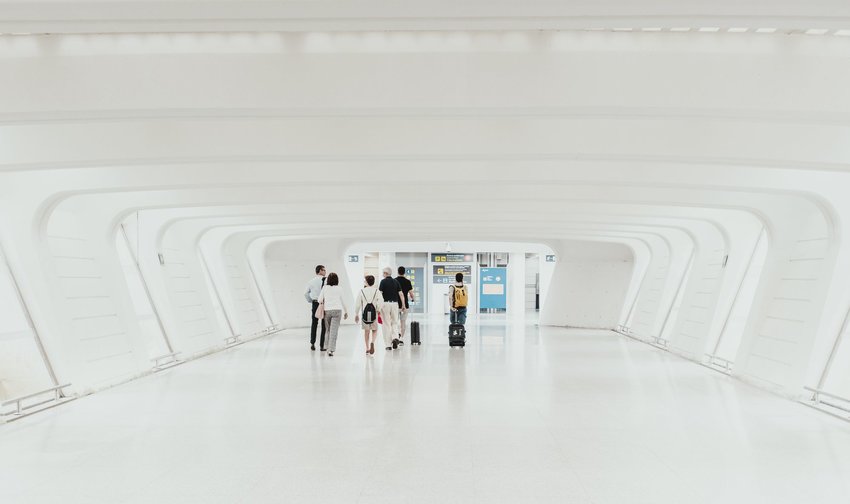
point(251, 16)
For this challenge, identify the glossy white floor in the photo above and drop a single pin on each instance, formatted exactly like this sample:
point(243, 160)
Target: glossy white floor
point(521, 415)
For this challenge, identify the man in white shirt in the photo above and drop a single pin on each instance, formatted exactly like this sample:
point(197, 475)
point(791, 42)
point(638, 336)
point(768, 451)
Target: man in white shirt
point(314, 288)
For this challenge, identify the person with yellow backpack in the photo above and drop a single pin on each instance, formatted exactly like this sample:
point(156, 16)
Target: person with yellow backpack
point(459, 299)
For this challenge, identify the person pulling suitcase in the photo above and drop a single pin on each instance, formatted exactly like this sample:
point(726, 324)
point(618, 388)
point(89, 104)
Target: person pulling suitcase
point(459, 299)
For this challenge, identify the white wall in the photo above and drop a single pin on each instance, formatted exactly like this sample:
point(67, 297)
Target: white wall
point(648, 306)
point(589, 285)
point(154, 340)
point(248, 309)
point(22, 369)
point(291, 264)
point(103, 342)
point(549, 146)
point(779, 338)
point(195, 327)
point(727, 346)
point(516, 284)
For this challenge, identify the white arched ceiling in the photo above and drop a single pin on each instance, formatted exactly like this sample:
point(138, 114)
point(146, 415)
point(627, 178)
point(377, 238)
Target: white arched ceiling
point(440, 228)
point(681, 142)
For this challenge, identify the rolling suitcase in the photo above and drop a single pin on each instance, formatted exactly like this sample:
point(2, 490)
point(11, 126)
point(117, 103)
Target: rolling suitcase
point(415, 339)
point(457, 335)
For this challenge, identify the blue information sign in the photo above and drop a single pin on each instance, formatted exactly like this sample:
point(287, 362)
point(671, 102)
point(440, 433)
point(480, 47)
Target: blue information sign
point(494, 288)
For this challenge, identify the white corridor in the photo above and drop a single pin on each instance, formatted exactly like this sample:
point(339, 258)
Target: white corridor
point(522, 414)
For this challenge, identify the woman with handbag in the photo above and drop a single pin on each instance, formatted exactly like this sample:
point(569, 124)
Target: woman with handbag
point(333, 310)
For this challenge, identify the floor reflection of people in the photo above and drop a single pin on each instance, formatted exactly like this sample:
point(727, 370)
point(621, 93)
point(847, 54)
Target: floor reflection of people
point(457, 377)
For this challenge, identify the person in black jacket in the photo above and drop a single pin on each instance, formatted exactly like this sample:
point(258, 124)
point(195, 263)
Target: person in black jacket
point(391, 293)
point(311, 294)
point(404, 304)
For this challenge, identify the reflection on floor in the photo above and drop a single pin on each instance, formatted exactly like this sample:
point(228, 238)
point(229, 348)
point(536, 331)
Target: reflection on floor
point(522, 414)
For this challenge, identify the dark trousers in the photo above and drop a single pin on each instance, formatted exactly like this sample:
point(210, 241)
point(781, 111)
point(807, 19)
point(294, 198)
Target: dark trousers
point(314, 325)
point(458, 316)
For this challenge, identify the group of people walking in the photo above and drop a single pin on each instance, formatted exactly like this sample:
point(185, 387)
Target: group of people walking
point(388, 304)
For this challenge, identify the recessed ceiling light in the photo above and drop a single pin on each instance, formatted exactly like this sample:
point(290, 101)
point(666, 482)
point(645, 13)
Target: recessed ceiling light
point(709, 29)
point(842, 33)
point(680, 29)
point(652, 29)
point(623, 29)
point(738, 30)
point(817, 31)
point(766, 30)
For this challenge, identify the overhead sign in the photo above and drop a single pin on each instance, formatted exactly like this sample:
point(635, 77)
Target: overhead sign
point(494, 288)
point(451, 258)
point(445, 273)
point(353, 258)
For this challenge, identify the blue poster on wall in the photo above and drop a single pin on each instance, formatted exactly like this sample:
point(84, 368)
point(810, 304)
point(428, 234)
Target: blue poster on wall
point(494, 288)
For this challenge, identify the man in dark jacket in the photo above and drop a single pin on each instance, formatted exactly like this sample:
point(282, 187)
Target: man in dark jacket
point(404, 305)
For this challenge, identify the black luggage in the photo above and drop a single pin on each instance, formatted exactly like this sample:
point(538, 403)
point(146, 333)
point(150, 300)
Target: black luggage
point(415, 339)
point(457, 335)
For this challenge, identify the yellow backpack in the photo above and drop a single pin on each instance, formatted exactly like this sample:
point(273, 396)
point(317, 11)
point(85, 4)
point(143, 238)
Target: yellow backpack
point(461, 297)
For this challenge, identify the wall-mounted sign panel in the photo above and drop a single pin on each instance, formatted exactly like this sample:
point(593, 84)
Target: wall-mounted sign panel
point(451, 258)
point(550, 258)
point(417, 278)
point(494, 288)
point(353, 258)
point(445, 273)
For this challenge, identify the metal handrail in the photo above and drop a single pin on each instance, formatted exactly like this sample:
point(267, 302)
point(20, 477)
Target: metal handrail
point(816, 399)
point(172, 356)
point(819, 392)
point(237, 339)
point(17, 401)
point(57, 390)
point(272, 329)
point(716, 360)
point(656, 341)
